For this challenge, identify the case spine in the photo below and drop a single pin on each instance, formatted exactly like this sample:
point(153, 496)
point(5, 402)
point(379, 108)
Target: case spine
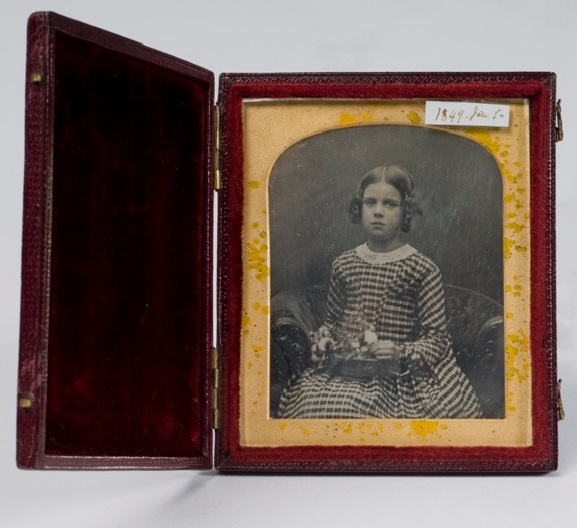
point(35, 243)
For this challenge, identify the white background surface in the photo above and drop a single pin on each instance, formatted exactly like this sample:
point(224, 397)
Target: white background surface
point(298, 35)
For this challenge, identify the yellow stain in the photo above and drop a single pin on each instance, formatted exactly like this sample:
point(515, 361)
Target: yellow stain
point(492, 142)
point(509, 198)
point(257, 259)
point(348, 429)
point(424, 428)
point(509, 315)
point(282, 426)
point(516, 352)
point(246, 320)
point(511, 177)
point(367, 116)
point(305, 431)
point(398, 426)
point(265, 310)
point(444, 426)
point(262, 234)
point(254, 184)
point(521, 249)
point(414, 118)
point(508, 243)
point(517, 228)
point(347, 119)
point(255, 225)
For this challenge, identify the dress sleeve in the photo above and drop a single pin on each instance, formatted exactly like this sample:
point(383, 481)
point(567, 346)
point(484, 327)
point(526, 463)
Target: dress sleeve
point(432, 340)
point(336, 296)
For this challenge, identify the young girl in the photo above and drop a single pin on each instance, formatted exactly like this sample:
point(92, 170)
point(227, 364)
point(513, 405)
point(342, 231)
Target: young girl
point(385, 302)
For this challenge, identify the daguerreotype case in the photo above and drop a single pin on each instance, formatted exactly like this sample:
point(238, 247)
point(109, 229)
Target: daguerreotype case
point(384, 266)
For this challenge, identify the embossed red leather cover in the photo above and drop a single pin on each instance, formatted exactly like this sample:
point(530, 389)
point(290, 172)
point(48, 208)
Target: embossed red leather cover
point(116, 323)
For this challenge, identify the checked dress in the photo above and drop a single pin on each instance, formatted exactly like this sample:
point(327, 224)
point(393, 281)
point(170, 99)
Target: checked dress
point(400, 294)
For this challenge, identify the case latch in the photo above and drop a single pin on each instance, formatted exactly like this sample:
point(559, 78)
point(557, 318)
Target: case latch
point(560, 411)
point(215, 386)
point(559, 127)
point(216, 153)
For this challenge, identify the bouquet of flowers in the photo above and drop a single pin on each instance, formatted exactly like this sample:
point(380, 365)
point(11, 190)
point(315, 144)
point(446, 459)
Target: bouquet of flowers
point(325, 342)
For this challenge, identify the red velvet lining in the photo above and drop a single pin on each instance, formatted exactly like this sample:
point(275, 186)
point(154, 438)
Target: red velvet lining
point(540, 90)
point(129, 284)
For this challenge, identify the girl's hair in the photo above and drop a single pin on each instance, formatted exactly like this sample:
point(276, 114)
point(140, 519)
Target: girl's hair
point(399, 178)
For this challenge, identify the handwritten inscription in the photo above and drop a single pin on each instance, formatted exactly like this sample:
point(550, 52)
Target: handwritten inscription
point(453, 113)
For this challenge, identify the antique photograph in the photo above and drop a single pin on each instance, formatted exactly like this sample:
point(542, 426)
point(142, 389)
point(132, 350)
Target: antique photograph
point(386, 276)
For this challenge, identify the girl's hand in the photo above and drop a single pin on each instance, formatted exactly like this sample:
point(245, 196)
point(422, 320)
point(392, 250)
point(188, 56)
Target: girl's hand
point(387, 350)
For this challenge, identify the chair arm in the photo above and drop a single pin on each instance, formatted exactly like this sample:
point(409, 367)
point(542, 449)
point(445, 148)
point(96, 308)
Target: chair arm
point(293, 342)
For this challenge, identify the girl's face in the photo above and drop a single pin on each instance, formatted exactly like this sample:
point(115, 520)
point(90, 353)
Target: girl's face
point(382, 216)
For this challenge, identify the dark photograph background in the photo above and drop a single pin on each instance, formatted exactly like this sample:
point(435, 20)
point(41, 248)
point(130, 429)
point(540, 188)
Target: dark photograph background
point(458, 185)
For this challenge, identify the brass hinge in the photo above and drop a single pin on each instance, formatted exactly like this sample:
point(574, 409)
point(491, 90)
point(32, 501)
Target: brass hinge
point(216, 167)
point(560, 411)
point(559, 127)
point(36, 78)
point(215, 386)
point(26, 401)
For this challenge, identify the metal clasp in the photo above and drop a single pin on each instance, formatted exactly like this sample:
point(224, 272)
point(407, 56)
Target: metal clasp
point(559, 127)
point(560, 411)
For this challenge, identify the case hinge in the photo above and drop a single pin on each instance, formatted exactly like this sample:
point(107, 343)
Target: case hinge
point(36, 78)
point(26, 401)
point(216, 167)
point(215, 387)
point(559, 127)
point(560, 411)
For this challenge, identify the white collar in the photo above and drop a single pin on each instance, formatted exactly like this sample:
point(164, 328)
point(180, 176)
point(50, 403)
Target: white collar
point(374, 257)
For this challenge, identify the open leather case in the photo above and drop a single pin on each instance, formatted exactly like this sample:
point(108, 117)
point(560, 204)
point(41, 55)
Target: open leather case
point(125, 150)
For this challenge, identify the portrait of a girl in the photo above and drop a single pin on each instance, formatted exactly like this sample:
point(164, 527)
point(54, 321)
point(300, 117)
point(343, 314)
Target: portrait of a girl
point(386, 305)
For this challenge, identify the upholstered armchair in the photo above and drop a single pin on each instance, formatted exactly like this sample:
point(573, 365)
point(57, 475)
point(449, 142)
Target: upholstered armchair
point(475, 323)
